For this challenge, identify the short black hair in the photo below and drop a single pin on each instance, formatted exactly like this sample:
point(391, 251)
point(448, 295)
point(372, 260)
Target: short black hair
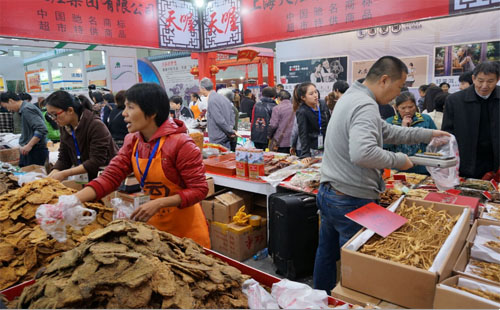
point(196, 96)
point(247, 92)
point(466, 77)
point(340, 86)
point(387, 65)
point(444, 83)
point(97, 95)
point(25, 97)
point(487, 67)
point(152, 99)
point(405, 96)
point(423, 87)
point(120, 99)
point(269, 92)
point(284, 95)
point(4, 97)
point(279, 85)
point(176, 99)
point(439, 101)
point(63, 100)
point(109, 98)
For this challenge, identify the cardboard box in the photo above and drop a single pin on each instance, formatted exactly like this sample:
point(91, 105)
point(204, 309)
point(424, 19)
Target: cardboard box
point(72, 184)
point(471, 202)
point(479, 222)
point(136, 199)
point(398, 283)
point(238, 242)
point(448, 297)
point(225, 207)
point(10, 155)
point(211, 186)
point(207, 205)
point(106, 200)
point(354, 297)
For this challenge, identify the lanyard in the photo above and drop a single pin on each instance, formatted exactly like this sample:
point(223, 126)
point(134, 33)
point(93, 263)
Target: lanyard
point(319, 117)
point(153, 153)
point(78, 154)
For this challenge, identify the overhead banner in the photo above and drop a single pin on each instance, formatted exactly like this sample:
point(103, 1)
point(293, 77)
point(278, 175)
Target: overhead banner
point(222, 26)
point(178, 25)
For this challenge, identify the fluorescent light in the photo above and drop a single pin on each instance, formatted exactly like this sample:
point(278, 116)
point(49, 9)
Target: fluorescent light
point(199, 3)
point(241, 78)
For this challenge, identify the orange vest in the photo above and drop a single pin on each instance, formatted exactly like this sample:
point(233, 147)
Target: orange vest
point(187, 222)
point(196, 111)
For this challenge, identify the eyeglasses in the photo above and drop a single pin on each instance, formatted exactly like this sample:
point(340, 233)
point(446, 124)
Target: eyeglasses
point(54, 116)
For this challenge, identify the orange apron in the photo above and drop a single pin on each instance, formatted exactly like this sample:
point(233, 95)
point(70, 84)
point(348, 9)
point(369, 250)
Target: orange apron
point(187, 222)
point(196, 111)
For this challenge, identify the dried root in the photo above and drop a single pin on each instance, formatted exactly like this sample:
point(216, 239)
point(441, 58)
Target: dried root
point(486, 270)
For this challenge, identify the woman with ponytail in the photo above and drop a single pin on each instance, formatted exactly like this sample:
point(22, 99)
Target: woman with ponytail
point(86, 143)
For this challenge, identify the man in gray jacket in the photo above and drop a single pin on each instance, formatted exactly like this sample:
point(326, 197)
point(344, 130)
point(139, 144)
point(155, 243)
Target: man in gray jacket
point(220, 115)
point(354, 158)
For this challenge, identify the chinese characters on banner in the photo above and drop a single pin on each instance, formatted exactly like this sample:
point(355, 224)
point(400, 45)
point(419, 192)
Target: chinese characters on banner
point(222, 24)
point(272, 20)
point(178, 24)
point(129, 23)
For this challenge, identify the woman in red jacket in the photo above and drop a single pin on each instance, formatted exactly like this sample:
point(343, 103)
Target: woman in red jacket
point(166, 162)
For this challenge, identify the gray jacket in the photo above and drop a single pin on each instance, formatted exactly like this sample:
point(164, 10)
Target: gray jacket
point(33, 124)
point(354, 158)
point(220, 118)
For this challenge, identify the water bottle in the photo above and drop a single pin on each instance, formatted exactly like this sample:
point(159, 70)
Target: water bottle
point(261, 254)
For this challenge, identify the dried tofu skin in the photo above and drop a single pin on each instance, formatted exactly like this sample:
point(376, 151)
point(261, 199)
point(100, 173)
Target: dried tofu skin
point(133, 265)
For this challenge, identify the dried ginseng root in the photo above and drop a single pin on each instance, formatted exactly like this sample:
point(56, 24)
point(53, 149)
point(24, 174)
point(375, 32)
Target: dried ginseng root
point(24, 246)
point(481, 293)
point(134, 265)
point(486, 270)
point(417, 242)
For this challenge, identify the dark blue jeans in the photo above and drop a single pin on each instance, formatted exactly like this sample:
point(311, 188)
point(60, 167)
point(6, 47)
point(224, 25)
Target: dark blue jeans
point(335, 231)
point(36, 156)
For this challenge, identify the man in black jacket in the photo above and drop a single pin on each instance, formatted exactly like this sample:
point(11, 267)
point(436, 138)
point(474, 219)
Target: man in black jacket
point(261, 117)
point(246, 104)
point(473, 116)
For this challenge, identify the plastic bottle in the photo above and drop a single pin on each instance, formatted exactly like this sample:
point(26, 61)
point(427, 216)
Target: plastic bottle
point(261, 254)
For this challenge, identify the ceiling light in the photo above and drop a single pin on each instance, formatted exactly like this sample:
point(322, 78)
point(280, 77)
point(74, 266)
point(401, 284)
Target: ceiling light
point(199, 3)
point(241, 78)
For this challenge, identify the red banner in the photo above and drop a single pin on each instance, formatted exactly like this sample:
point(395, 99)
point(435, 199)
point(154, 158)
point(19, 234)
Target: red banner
point(110, 22)
point(274, 20)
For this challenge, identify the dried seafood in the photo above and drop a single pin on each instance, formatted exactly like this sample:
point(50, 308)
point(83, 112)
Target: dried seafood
point(24, 246)
point(481, 293)
point(417, 242)
point(7, 182)
point(411, 178)
point(133, 265)
point(486, 270)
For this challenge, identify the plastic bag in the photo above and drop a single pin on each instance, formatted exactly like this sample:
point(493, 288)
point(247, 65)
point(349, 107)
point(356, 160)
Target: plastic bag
point(68, 211)
point(29, 177)
point(122, 210)
point(445, 178)
point(294, 295)
point(258, 297)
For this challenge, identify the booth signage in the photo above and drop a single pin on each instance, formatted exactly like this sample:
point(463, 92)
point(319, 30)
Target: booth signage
point(222, 26)
point(178, 25)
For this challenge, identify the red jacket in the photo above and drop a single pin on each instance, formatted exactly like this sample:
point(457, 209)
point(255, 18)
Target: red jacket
point(181, 161)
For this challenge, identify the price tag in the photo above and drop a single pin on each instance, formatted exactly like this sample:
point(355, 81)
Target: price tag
point(487, 195)
point(495, 184)
point(377, 218)
point(454, 191)
point(400, 177)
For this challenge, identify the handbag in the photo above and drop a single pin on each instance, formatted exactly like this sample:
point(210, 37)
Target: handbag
point(275, 144)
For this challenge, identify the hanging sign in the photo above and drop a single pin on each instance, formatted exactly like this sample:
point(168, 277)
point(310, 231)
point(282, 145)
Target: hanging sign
point(222, 25)
point(178, 25)
point(247, 54)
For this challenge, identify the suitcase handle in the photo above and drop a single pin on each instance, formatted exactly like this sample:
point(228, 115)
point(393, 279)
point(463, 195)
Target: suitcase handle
point(308, 199)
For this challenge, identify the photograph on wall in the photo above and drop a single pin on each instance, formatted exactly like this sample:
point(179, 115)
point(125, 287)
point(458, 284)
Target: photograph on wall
point(417, 69)
point(453, 60)
point(324, 70)
point(123, 72)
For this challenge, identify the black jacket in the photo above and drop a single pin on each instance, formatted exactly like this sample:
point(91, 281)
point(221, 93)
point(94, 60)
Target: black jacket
point(246, 106)
point(462, 115)
point(116, 124)
point(186, 112)
point(261, 117)
point(308, 125)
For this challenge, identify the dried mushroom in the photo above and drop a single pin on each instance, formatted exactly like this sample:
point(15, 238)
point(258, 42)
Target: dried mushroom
point(24, 246)
point(417, 242)
point(133, 265)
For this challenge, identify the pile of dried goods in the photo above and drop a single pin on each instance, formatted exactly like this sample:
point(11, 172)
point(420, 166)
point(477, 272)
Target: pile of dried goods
point(411, 178)
point(481, 293)
point(133, 265)
point(7, 182)
point(417, 242)
point(486, 270)
point(24, 246)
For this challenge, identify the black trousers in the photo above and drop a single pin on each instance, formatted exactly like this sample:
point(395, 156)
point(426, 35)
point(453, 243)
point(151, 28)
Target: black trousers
point(36, 156)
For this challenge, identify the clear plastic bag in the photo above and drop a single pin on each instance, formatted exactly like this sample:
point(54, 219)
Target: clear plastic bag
point(29, 177)
point(445, 178)
point(295, 295)
point(68, 211)
point(122, 210)
point(258, 297)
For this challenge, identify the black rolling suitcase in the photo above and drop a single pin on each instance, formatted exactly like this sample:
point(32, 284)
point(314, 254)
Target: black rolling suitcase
point(293, 233)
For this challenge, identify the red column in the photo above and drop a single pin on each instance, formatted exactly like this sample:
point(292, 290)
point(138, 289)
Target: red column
point(260, 78)
point(205, 60)
point(270, 71)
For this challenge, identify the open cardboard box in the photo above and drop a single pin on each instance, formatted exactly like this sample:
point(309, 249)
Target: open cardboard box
point(354, 297)
point(398, 283)
point(448, 297)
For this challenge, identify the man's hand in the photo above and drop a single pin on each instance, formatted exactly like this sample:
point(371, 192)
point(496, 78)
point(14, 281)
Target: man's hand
point(408, 164)
point(440, 133)
point(146, 211)
point(25, 149)
point(292, 151)
point(406, 121)
point(57, 175)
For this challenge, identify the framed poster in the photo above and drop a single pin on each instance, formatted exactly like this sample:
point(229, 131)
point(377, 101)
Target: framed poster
point(123, 72)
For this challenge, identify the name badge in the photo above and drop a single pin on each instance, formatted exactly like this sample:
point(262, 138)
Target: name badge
point(320, 141)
